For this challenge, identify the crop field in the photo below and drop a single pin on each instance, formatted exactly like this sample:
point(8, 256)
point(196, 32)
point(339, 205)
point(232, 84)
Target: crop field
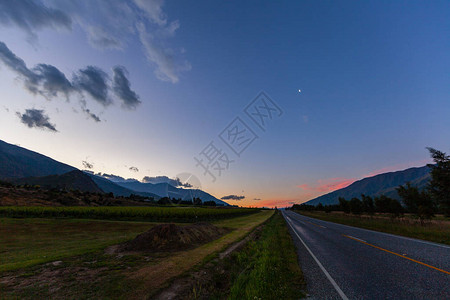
point(149, 214)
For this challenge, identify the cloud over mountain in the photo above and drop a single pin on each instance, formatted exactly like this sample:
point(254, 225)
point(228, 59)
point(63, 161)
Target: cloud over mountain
point(233, 197)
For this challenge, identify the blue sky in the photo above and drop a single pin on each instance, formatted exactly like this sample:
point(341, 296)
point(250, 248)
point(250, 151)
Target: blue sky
point(373, 76)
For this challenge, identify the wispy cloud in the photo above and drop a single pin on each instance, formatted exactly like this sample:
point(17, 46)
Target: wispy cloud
point(31, 16)
point(144, 19)
point(36, 118)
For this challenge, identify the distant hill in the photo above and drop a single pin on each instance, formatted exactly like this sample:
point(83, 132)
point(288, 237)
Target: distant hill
point(111, 187)
point(73, 180)
point(18, 162)
point(22, 166)
point(382, 184)
point(168, 190)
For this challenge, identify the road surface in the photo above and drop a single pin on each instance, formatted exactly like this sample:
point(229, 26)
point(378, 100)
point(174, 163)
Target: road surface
point(344, 262)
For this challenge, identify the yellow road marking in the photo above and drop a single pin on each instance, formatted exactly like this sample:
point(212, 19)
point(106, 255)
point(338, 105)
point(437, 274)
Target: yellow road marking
point(316, 224)
point(403, 256)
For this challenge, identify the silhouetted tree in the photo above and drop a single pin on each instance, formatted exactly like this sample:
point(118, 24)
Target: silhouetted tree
point(439, 185)
point(367, 204)
point(395, 208)
point(164, 201)
point(320, 207)
point(355, 206)
point(344, 205)
point(417, 202)
point(197, 201)
point(382, 204)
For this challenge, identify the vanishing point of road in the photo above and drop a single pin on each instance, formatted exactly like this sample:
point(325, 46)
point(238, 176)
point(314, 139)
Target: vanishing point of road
point(344, 262)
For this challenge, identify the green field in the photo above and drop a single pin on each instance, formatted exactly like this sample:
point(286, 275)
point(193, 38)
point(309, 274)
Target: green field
point(63, 258)
point(149, 214)
point(435, 231)
point(26, 242)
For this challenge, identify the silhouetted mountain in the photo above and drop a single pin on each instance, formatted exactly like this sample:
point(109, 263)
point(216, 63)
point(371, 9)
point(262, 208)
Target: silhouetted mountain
point(73, 180)
point(382, 184)
point(18, 162)
point(35, 169)
point(111, 187)
point(167, 190)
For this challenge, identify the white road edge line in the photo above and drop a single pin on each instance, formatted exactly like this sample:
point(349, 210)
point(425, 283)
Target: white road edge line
point(336, 287)
point(384, 233)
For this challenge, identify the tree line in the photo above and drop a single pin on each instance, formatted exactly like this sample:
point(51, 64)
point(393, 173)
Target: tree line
point(424, 204)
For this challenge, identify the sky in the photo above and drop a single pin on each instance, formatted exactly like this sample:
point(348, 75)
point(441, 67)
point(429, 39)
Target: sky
point(265, 103)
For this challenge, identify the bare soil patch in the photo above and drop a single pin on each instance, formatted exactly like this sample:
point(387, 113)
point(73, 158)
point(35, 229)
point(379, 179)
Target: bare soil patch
point(171, 237)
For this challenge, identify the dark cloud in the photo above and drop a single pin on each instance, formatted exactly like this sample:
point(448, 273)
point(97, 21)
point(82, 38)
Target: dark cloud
point(133, 169)
point(44, 79)
point(53, 81)
point(256, 199)
point(50, 82)
point(36, 118)
point(87, 165)
point(233, 197)
point(31, 15)
point(121, 87)
point(15, 63)
point(92, 115)
point(164, 179)
point(93, 81)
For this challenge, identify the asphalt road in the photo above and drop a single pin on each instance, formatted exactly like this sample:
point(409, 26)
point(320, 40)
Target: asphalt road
point(344, 262)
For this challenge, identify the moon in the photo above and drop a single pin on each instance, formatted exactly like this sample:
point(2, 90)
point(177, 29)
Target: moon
point(299, 91)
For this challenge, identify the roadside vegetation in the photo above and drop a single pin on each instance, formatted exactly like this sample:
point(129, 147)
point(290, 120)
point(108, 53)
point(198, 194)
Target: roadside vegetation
point(268, 268)
point(135, 213)
point(416, 215)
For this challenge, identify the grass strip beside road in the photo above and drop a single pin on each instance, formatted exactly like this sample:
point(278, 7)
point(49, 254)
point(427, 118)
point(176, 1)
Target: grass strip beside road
point(268, 268)
point(437, 231)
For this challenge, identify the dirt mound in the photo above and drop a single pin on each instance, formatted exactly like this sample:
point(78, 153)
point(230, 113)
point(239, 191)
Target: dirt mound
point(171, 237)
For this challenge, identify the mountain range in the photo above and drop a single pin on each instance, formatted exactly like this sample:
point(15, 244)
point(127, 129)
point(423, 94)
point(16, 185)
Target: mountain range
point(21, 166)
point(382, 184)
